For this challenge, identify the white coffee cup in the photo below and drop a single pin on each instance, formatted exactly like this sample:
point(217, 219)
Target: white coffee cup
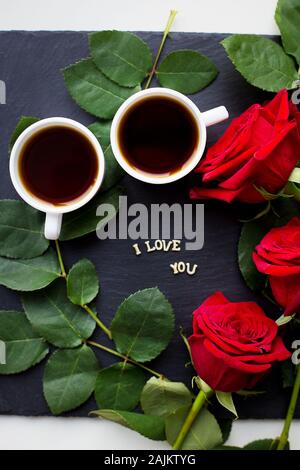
point(54, 213)
point(202, 120)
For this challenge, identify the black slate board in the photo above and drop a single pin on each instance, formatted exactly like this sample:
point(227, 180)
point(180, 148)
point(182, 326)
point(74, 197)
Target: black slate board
point(30, 64)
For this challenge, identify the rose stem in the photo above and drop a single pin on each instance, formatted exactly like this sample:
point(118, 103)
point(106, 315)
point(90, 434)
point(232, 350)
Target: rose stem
point(194, 411)
point(283, 440)
point(61, 263)
point(85, 307)
point(125, 358)
point(173, 13)
point(97, 320)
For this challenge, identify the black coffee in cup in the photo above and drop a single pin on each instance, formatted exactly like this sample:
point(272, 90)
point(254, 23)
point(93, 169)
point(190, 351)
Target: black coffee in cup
point(158, 135)
point(58, 164)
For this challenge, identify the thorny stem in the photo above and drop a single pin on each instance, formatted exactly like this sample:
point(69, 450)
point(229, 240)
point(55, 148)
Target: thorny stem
point(173, 13)
point(125, 358)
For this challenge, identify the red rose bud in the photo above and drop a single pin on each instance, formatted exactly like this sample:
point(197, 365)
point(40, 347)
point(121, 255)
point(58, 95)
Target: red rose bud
point(278, 256)
point(234, 343)
point(259, 149)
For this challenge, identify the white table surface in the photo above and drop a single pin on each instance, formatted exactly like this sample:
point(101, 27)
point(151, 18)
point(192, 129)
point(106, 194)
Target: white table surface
point(239, 16)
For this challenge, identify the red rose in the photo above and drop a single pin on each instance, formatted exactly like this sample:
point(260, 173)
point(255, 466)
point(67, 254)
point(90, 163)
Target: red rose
point(259, 149)
point(234, 344)
point(278, 256)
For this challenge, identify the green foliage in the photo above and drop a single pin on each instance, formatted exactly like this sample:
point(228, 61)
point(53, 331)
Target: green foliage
point(288, 373)
point(119, 387)
point(186, 71)
point(263, 444)
point(288, 19)
point(82, 282)
point(21, 230)
point(226, 400)
point(29, 274)
point(251, 235)
point(162, 397)
point(143, 325)
point(204, 433)
point(54, 317)
point(261, 61)
point(121, 56)
point(152, 427)
point(93, 91)
point(24, 347)
point(226, 427)
point(69, 378)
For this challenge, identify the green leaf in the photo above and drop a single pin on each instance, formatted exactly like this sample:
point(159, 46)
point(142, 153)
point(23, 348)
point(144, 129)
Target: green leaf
point(186, 71)
point(152, 427)
point(227, 448)
point(143, 325)
point(23, 123)
point(284, 211)
point(24, 347)
point(161, 397)
point(121, 56)
point(95, 93)
point(101, 130)
point(113, 171)
point(263, 444)
point(226, 427)
point(54, 317)
point(119, 387)
point(288, 373)
point(261, 61)
point(225, 399)
point(21, 230)
point(204, 434)
point(69, 378)
point(288, 19)
point(82, 282)
point(251, 235)
point(83, 221)
point(29, 274)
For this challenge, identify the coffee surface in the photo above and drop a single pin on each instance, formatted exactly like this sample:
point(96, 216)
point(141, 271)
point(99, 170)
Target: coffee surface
point(158, 135)
point(58, 164)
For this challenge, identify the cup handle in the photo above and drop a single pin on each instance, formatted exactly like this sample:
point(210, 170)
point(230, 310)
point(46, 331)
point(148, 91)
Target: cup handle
point(215, 115)
point(52, 226)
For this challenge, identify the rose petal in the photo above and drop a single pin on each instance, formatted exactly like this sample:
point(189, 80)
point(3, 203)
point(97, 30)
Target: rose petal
point(286, 291)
